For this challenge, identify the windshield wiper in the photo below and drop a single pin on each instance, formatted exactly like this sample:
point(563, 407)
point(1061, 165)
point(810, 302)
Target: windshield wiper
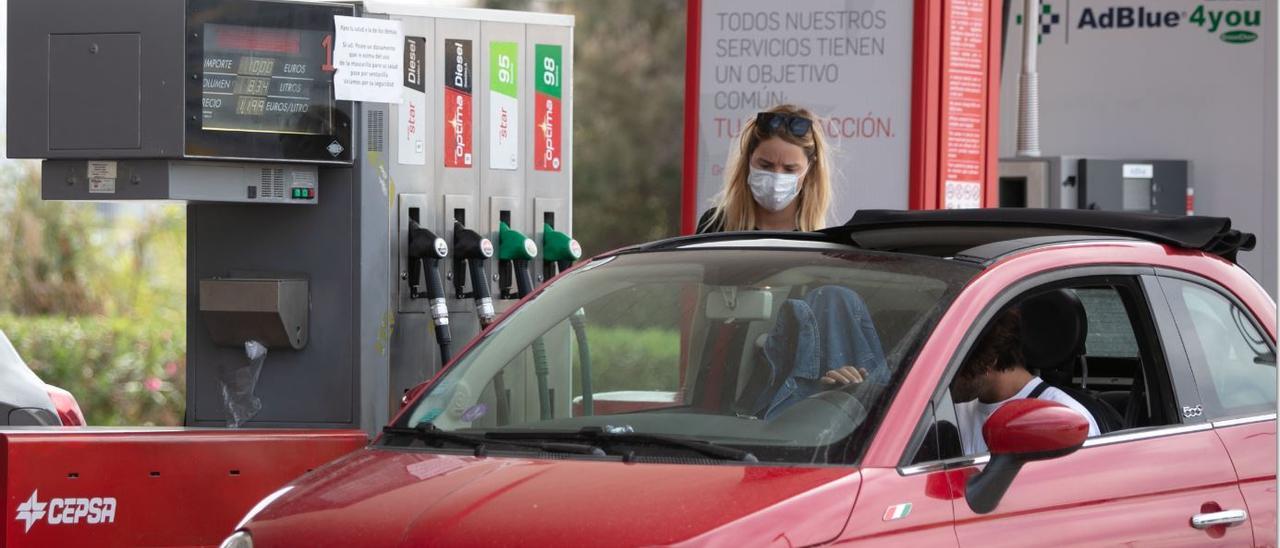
point(625, 434)
point(479, 442)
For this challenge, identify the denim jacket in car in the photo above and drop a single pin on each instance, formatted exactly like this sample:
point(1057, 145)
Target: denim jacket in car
point(827, 329)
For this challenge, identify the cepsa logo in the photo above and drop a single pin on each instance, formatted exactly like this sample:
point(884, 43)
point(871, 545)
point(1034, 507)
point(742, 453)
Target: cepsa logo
point(66, 511)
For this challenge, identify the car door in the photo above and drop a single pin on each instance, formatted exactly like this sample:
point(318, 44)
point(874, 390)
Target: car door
point(1138, 485)
point(1233, 360)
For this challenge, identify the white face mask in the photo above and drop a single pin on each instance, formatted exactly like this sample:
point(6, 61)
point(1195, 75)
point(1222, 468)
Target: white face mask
point(773, 191)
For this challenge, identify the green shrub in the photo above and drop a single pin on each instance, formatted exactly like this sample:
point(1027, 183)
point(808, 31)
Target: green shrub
point(122, 371)
point(628, 358)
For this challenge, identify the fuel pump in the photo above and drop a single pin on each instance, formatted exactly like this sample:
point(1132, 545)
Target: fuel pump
point(559, 251)
point(247, 115)
point(425, 251)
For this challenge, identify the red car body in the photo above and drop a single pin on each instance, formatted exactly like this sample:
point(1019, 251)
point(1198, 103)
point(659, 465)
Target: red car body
point(380, 496)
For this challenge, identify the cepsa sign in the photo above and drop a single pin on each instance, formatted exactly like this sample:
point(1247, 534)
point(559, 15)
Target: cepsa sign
point(65, 511)
point(848, 61)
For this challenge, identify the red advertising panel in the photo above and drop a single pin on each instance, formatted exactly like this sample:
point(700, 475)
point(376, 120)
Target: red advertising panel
point(964, 105)
point(955, 103)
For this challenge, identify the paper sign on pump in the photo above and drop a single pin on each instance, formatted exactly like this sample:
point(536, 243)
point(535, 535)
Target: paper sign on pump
point(368, 54)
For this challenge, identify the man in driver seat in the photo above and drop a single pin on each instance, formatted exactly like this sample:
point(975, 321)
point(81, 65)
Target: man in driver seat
point(995, 373)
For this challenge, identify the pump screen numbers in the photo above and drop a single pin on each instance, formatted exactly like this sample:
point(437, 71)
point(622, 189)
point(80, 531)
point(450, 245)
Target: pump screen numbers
point(272, 80)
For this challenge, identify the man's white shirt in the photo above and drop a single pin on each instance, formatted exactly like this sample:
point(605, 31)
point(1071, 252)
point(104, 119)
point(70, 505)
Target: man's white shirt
point(972, 415)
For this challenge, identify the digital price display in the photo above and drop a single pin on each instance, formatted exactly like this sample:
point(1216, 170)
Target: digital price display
point(268, 80)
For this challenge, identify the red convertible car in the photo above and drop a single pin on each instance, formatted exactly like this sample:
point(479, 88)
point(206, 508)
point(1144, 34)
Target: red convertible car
point(678, 392)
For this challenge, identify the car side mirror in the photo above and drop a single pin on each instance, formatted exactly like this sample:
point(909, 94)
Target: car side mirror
point(1019, 432)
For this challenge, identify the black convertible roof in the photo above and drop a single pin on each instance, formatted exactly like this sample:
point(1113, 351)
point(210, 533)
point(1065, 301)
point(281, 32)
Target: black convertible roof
point(950, 231)
point(983, 235)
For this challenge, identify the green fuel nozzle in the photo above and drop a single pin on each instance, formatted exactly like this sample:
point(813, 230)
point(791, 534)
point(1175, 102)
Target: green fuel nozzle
point(514, 246)
point(558, 251)
point(558, 246)
point(517, 250)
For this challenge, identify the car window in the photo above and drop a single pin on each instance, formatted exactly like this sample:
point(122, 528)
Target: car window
point(1233, 362)
point(1114, 369)
point(942, 438)
point(725, 346)
point(1110, 332)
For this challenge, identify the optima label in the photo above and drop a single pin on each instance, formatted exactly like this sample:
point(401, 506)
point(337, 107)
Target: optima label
point(457, 103)
point(547, 108)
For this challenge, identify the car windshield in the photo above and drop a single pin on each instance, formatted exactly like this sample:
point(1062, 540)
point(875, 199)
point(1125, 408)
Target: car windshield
point(726, 347)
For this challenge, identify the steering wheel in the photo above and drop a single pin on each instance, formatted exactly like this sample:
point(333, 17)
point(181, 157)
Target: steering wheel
point(829, 410)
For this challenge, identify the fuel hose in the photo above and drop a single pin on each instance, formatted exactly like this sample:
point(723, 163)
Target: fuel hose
point(519, 250)
point(561, 250)
point(473, 249)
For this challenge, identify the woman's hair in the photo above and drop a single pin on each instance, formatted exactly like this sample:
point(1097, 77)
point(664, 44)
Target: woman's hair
point(735, 207)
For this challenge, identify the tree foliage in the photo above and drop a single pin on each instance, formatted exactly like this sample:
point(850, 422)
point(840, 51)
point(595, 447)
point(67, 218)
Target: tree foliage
point(45, 249)
point(71, 259)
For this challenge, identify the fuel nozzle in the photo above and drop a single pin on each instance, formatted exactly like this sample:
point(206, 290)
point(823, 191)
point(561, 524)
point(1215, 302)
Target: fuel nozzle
point(558, 249)
point(425, 251)
point(514, 249)
point(473, 249)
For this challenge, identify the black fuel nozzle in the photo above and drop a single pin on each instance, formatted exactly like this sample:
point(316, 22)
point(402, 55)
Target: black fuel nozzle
point(473, 249)
point(517, 250)
point(425, 249)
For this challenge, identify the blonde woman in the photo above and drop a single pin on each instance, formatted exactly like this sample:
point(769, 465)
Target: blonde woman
point(778, 176)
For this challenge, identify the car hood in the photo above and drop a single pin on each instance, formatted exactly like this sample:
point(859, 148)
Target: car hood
point(381, 497)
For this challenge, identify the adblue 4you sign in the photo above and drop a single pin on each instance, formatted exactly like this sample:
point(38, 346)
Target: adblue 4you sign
point(1233, 22)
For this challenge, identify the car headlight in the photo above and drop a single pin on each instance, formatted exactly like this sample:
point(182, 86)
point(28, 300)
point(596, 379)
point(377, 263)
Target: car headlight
point(262, 504)
point(238, 539)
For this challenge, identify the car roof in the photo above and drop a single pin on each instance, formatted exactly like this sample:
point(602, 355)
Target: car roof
point(984, 235)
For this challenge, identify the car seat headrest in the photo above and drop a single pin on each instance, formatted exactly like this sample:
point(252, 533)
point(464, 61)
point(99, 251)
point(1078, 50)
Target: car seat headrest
point(1053, 329)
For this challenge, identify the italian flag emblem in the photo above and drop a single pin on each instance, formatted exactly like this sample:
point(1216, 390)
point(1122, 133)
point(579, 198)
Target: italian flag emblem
point(897, 511)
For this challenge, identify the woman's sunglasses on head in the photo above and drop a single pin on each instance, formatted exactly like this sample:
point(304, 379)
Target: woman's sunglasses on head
point(795, 124)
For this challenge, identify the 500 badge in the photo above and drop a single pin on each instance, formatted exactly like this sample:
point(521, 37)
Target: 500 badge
point(66, 511)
